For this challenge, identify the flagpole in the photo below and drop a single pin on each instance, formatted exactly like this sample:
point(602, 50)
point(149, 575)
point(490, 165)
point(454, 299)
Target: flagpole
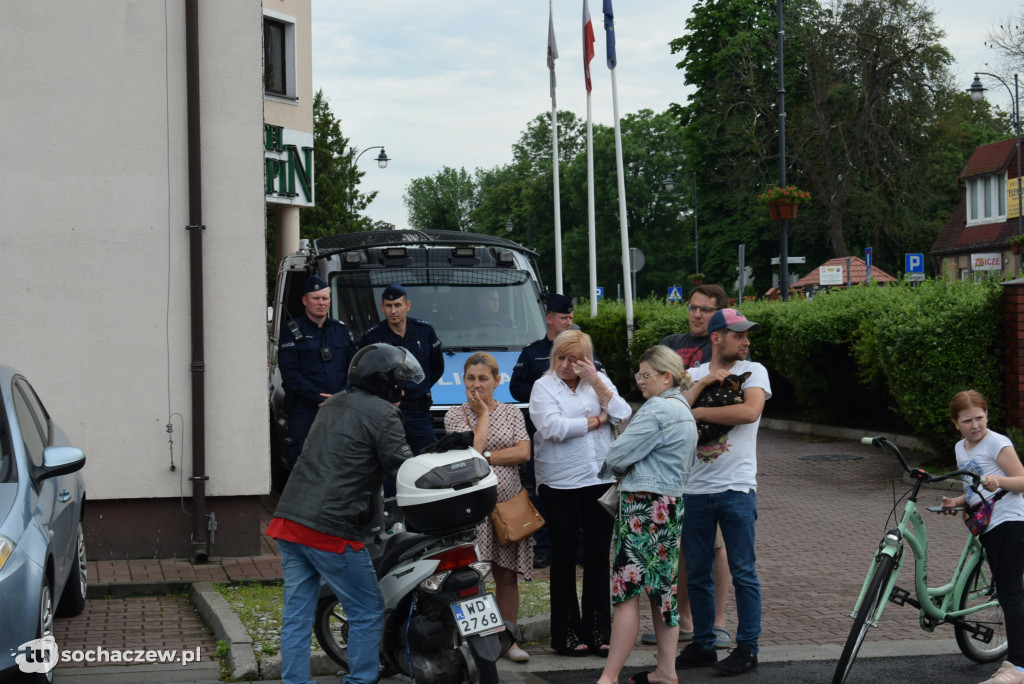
point(623, 228)
point(592, 233)
point(588, 54)
point(558, 199)
point(609, 29)
point(552, 56)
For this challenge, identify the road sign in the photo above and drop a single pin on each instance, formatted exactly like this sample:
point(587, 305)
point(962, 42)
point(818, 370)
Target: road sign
point(789, 260)
point(599, 293)
point(913, 263)
point(675, 294)
point(915, 277)
point(636, 259)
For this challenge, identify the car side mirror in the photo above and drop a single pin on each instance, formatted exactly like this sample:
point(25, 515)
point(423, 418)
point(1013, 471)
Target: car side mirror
point(60, 460)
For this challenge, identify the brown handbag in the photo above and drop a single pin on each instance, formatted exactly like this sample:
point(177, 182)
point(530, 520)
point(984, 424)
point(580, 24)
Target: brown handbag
point(515, 519)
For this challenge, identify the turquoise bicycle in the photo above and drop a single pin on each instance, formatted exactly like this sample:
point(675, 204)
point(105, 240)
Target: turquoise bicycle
point(967, 601)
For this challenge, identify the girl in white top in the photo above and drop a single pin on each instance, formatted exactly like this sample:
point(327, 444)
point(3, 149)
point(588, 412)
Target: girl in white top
point(992, 456)
point(571, 406)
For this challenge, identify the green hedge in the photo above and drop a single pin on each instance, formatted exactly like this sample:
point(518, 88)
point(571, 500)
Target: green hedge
point(865, 357)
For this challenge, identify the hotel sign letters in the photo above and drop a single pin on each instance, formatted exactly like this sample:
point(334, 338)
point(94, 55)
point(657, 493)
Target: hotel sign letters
point(288, 166)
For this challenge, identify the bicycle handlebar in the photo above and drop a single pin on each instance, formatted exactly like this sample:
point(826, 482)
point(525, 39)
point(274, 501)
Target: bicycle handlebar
point(883, 443)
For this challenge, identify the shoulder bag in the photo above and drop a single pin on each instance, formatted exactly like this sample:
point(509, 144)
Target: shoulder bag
point(515, 519)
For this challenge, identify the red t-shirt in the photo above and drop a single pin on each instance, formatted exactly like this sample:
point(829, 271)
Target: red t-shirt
point(289, 530)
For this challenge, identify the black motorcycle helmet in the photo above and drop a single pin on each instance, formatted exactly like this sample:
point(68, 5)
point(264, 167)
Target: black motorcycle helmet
point(383, 370)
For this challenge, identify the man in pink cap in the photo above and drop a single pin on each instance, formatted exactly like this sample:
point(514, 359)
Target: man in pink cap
point(722, 491)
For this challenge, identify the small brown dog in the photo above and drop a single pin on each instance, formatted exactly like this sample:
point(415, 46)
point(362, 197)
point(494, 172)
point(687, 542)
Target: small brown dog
point(726, 393)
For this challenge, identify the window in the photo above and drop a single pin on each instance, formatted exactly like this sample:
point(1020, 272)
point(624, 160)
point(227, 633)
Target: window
point(279, 55)
point(33, 422)
point(986, 198)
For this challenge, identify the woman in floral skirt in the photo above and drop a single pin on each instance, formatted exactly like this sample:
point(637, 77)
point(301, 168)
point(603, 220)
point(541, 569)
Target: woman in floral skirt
point(652, 461)
point(499, 433)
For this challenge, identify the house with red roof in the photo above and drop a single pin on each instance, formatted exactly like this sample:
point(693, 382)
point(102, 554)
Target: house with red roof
point(976, 238)
point(841, 272)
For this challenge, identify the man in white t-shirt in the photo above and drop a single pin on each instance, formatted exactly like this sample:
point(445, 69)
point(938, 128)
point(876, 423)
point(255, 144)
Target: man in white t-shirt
point(722, 490)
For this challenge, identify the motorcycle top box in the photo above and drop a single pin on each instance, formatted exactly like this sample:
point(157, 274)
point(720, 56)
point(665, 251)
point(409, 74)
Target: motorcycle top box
point(447, 492)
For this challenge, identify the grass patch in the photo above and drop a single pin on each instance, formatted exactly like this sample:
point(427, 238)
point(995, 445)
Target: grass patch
point(259, 607)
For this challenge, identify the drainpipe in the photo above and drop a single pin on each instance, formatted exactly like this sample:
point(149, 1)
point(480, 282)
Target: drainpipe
point(200, 551)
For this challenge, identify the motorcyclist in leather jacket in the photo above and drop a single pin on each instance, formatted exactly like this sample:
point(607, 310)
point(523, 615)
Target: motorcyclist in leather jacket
point(325, 509)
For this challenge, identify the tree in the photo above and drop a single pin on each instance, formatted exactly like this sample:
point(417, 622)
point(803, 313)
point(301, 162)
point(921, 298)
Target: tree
point(442, 201)
point(1008, 40)
point(338, 200)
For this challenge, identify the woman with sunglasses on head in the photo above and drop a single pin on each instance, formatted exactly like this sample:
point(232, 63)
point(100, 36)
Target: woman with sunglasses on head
point(571, 406)
point(992, 456)
point(652, 459)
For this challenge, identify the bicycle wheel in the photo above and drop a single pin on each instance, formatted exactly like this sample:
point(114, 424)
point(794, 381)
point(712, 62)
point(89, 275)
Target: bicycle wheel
point(868, 607)
point(978, 591)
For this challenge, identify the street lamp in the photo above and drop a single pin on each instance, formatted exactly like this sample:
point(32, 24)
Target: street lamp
point(382, 162)
point(670, 185)
point(509, 226)
point(977, 91)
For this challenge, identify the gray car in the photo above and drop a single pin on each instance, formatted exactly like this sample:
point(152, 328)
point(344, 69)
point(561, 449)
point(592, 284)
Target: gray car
point(42, 547)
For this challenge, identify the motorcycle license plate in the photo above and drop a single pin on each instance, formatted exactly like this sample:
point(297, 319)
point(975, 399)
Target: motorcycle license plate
point(478, 615)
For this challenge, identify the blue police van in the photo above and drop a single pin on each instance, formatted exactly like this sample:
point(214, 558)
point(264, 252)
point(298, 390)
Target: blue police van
point(480, 292)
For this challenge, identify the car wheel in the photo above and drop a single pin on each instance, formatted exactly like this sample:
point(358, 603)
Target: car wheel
point(43, 628)
point(72, 601)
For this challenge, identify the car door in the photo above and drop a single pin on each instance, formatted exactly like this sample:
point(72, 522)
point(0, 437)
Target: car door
point(53, 509)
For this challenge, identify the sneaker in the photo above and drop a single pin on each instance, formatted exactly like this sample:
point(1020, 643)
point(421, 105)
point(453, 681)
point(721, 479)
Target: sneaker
point(649, 638)
point(695, 656)
point(722, 637)
point(739, 661)
point(1006, 674)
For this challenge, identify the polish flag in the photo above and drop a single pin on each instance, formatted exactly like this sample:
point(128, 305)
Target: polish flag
point(588, 44)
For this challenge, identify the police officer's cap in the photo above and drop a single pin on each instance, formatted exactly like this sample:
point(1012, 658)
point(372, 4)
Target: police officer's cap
point(557, 303)
point(315, 283)
point(393, 291)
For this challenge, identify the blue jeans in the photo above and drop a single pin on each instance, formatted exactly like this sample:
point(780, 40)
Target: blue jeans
point(354, 582)
point(736, 513)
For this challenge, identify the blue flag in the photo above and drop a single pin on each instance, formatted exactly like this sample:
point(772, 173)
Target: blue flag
point(609, 33)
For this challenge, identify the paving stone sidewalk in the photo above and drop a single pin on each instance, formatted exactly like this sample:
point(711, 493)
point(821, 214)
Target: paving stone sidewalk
point(823, 506)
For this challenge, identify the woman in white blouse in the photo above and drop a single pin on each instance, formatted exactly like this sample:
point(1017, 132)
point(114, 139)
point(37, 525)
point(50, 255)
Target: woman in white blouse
point(571, 406)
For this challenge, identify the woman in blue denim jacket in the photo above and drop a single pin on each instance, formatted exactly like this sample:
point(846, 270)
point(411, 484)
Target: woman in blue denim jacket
point(651, 459)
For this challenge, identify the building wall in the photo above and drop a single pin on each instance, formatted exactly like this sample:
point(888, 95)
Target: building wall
point(94, 256)
point(297, 116)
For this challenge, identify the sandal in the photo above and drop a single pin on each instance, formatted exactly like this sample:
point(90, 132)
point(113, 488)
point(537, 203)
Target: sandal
point(600, 650)
point(577, 651)
point(639, 678)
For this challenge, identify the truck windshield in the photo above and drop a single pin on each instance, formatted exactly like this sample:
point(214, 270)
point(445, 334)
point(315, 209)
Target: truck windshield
point(471, 309)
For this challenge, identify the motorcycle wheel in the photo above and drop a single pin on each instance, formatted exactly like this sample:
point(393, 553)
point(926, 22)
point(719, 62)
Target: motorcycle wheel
point(331, 629)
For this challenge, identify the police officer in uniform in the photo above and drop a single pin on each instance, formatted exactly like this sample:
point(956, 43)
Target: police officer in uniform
point(401, 330)
point(313, 357)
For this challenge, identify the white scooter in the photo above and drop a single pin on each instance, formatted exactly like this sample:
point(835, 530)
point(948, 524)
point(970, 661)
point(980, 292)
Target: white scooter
point(440, 624)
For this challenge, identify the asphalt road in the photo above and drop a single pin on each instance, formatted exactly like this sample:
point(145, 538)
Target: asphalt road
point(946, 669)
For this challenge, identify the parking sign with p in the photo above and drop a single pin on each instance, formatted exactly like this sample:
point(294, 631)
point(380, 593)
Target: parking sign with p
point(914, 263)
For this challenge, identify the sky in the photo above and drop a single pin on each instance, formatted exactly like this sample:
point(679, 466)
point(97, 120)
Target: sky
point(455, 82)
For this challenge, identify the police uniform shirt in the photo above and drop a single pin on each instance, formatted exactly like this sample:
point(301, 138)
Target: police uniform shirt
point(317, 363)
point(421, 340)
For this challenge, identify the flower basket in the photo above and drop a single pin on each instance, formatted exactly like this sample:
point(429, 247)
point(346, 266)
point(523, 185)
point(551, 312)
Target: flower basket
point(697, 278)
point(780, 209)
point(783, 202)
point(1016, 242)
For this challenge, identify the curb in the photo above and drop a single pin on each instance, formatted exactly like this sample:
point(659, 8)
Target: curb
point(226, 626)
point(854, 434)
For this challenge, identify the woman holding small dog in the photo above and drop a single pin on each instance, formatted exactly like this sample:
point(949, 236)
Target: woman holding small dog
point(992, 456)
point(571, 406)
point(652, 460)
